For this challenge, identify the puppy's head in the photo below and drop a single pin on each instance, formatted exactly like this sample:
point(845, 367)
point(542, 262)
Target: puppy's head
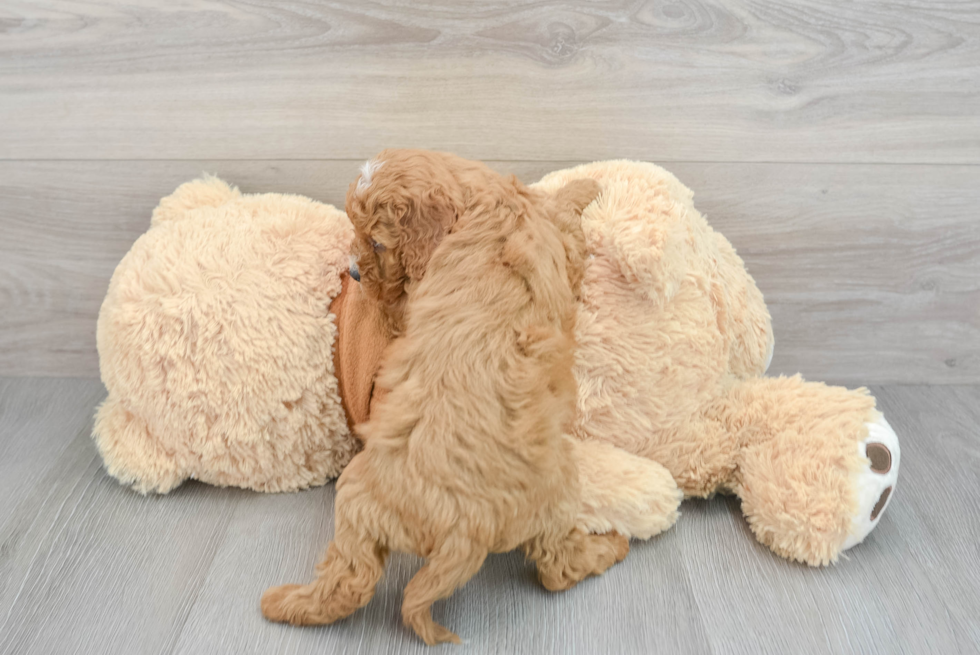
point(401, 205)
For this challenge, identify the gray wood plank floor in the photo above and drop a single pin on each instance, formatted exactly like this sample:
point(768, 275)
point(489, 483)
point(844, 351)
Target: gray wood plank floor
point(89, 567)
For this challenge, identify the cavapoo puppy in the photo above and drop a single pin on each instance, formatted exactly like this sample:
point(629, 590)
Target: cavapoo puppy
point(465, 454)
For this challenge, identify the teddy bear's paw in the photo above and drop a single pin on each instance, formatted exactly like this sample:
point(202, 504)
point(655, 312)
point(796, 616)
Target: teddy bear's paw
point(875, 483)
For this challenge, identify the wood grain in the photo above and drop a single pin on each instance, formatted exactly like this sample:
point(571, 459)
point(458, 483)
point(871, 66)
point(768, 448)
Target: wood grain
point(685, 80)
point(871, 272)
point(38, 420)
point(88, 567)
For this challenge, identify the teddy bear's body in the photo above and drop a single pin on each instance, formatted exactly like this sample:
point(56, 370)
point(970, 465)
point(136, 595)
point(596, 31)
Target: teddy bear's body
point(673, 336)
point(669, 317)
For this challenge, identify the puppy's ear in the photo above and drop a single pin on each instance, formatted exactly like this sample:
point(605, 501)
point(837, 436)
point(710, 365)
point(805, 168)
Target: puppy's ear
point(427, 220)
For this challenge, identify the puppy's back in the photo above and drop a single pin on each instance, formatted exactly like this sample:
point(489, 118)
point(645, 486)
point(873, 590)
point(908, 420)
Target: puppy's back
point(484, 368)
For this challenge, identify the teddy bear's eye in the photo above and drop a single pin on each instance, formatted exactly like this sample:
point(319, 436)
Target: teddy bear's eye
point(378, 247)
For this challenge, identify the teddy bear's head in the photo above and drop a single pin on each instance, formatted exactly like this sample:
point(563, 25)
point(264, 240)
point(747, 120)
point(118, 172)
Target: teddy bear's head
point(215, 343)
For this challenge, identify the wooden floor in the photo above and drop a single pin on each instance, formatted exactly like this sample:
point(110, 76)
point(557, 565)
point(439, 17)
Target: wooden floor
point(87, 566)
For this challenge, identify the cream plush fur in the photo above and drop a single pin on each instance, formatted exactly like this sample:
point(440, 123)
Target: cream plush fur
point(215, 344)
point(672, 337)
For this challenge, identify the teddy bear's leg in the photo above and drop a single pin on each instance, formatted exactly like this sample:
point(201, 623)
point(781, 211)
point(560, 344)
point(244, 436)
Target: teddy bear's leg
point(815, 465)
point(622, 492)
point(130, 452)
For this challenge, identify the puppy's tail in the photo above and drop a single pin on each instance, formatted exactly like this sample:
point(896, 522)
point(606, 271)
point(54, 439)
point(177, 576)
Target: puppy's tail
point(622, 492)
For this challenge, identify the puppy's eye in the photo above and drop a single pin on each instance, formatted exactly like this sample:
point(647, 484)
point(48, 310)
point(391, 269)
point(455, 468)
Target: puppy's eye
point(378, 247)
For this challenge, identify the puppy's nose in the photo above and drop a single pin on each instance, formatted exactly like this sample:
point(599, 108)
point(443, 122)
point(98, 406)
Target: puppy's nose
point(354, 273)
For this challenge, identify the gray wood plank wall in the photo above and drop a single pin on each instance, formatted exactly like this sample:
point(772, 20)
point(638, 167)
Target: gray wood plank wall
point(836, 144)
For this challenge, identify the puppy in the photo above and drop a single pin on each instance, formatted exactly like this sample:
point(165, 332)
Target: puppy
point(465, 454)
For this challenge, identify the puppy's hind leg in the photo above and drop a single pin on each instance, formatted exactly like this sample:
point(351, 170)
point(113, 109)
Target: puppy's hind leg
point(456, 561)
point(346, 579)
point(563, 564)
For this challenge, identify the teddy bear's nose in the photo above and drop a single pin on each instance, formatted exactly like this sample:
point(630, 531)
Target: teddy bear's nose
point(354, 273)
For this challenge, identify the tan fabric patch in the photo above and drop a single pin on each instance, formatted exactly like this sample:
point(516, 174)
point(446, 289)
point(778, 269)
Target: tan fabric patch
point(361, 340)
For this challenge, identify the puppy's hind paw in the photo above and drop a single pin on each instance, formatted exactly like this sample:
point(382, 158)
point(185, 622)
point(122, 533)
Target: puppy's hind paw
point(610, 548)
point(580, 556)
point(286, 604)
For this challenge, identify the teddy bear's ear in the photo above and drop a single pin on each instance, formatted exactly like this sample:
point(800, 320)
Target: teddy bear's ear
point(642, 221)
point(207, 191)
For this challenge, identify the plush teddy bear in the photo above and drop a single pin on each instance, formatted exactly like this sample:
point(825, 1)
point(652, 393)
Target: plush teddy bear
point(673, 336)
point(232, 343)
point(215, 345)
point(237, 351)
